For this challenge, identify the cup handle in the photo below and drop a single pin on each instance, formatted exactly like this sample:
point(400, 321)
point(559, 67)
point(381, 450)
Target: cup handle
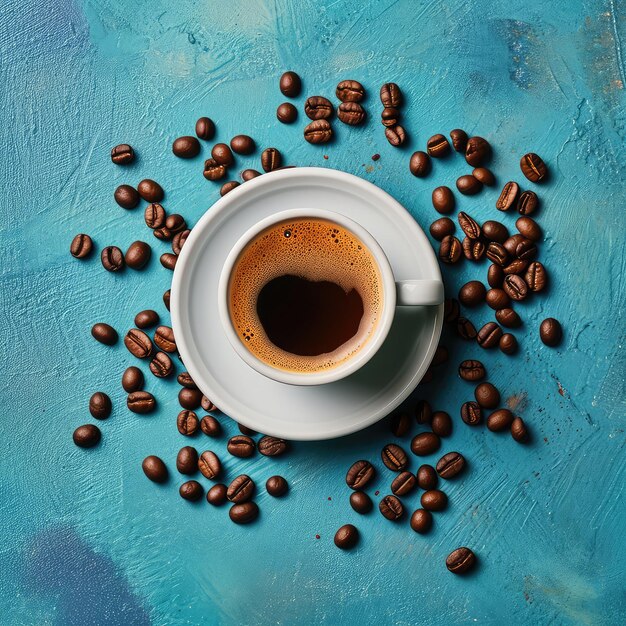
point(419, 292)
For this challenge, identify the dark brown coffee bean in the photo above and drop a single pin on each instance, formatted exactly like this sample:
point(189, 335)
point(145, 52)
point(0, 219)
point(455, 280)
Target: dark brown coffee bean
point(244, 513)
point(161, 365)
point(423, 412)
point(175, 223)
point(318, 108)
point(184, 379)
point(450, 249)
point(527, 203)
point(477, 151)
point(209, 465)
point(438, 146)
point(421, 521)
point(229, 186)
point(472, 293)
point(508, 343)
point(164, 234)
point(132, 379)
point(213, 170)
point(390, 116)
point(468, 185)
point(112, 259)
point(187, 460)
point(290, 84)
point(419, 164)
point(526, 250)
point(164, 339)
point(551, 332)
point(465, 329)
point(191, 490)
point(403, 483)
point(81, 246)
point(460, 561)
point(242, 144)
point(515, 287)
point(495, 276)
point(146, 319)
point(241, 446)
point(216, 495)
point(350, 91)
point(497, 254)
point(249, 174)
point(497, 298)
point(396, 135)
point(518, 430)
point(104, 333)
point(166, 299)
point(529, 228)
point(485, 176)
point(471, 413)
point(391, 508)
point(533, 167)
point(179, 240)
point(512, 242)
point(451, 310)
point(189, 398)
point(100, 405)
point(126, 196)
point(351, 113)
point(122, 154)
point(500, 420)
point(441, 228)
point(276, 486)
point(434, 500)
point(222, 154)
point(205, 128)
point(390, 95)
point(495, 231)
point(508, 318)
point(459, 139)
point(441, 424)
point(400, 424)
point(450, 465)
point(318, 131)
point(425, 444)
point(487, 395)
point(187, 423)
point(360, 474)
point(536, 276)
point(427, 477)
point(508, 196)
point(489, 335)
point(471, 370)
point(207, 405)
point(140, 402)
point(138, 343)
point(473, 249)
point(360, 502)
point(516, 266)
point(241, 489)
point(394, 457)
point(286, 113)
point(210, 426)
point(443, 199)
point(469, 225)
point(346, 537)
point(271, 159)
point(186, 147)
point(154, 215)
point(150, 190)
point(154, 468)
point(272, 446)
point(138, 255)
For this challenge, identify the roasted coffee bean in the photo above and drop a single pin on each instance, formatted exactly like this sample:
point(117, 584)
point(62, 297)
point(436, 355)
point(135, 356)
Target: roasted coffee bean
point(427, 477)
point(390, 116)
point(508, 318)
point(213, 170)
point(473, 249)
point(508, 196)
point(528, 228)
point(518, 430)
point(205, 128)
point(450, 249)
point(286, 113)
point(100, 405)
point(441, 424)
point(242, 144)
point(438, 146)
point(140, 402)
point(166, 299)
point(122, 154)
point(150, 190)
point(390, 95)
point(533, 167)
point(126, 196)
point(210, 426)
point(536, 276)
point(471, 370)
point(191, 490)
point(471, 413)
point(241, 489)
point(186, 147)
point(459, 139)
point(527, 203)
point(515, 287)
point(346, 537)
point(434, 500)
point(460, 561)
point(222, 154)
point(272, 446)
point(249, 174)
point(184, 379)
point(209, 465)
point(526, 250)
point(360, 502)
point(164, 339)
point(216, 495)
point(508, 343)
point(497, 254)
point(112, 259)
point(138, 343)
point(551, 332)
point(271, 159)
point(154, 215)
point(495, 231)
point(465, 329)
point(81, 246)
point(154, 468)
point(396, 135)
point(207, 405)
point(495, 276)
point(451, 310)
point(421, 521)
point(132, 379)
point(484, 176)
point(244, 513)
point(472, 293)
point(443, 199)
point(497, 298)
point(179, 240)
point(394, 457)
point(441, 228)
point(318, 108)
point(351, 113)
point(241, 446)
point(477, 151)
point(161, 365)
point(229, 186)
point(318, 131)
point(516, 266)
point(189, 398)
point(138, 255)
point(425, 444)
point(468, 185)
point(423, 412)
point(276, 486)
point(512, 242)
point(487, 395)
point(350, 91)
point(469, 225)
point(391, 508)
point(146, 319)
point(104, 333)
point(187, 423)
point(187, 460)
point(403, 483)
point(450, 465)
point(360, 474)
point(489, 335)
point(290, 84)
point(419, 164)
point(400, 425)
point(500, 420)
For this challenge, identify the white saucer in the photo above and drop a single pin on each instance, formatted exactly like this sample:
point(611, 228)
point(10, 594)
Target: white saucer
point(270, 407)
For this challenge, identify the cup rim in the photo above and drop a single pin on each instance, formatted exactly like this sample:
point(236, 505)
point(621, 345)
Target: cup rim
point(364, 354)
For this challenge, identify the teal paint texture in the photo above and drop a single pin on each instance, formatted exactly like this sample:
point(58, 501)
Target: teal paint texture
point(85, 538)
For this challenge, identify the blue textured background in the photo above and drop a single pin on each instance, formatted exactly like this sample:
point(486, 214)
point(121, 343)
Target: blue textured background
point(84, 537)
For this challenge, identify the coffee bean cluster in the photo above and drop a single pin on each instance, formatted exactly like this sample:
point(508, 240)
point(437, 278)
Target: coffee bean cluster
point(391, 116)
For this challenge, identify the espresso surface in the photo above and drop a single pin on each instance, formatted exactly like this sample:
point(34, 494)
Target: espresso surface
point(305, 295)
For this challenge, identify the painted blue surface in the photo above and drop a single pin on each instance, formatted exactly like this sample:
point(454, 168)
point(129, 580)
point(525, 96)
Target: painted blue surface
point(85, 539)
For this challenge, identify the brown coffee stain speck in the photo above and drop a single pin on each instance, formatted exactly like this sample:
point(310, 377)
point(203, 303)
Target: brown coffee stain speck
point(329, 498)
point(375, 157)
point(516, 401)
point(326, 157)
point(376, 492)
point(561, 388)
point(317, 536)
point(369, 169)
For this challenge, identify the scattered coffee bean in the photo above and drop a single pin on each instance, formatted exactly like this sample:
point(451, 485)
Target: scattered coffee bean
point(473, 249)
point(487, 395)
point(209, 465)
point(518, 430)
point(423, 412)
point(421, 521)
point(318, 131)
point(286, 113)
point(154, 215)
point(222, 154)
point(187, 423)
point(123, 154)
point(318, 108)
point(427, 477)
point(527, 203)
point(485, 176)
point(425, 444)
point(241, 446)
point(213, 170)
point(489, 335)
point(508, 318)
point(528, 228)
point(508, 196)
point(390, 116)
point(471, 413)
point(191, 490)
point(434, 500)
point(244, 430)
point(249, 174)
point(210, 426)
point(394, 457)
point(460, 561)
point(533, 167)
point(154, 468)
point(150, 190)
point(272, 446)
point(400, 425)
point(441, 228)
point(104, 333)
point(138, 343)
point(403, 483)
point(126, 196)
point(497, 254)
point(189, 398)
point(163, 233)
point(536, 276)
point(495, 276)
point(469, 225)
point(81, 246)
point(229, 186)
point(168, 260)
point(508, 343)
point(516, 266)
point(450, 465)
point(241, 489)
point(510, 245)
point(244, 513)
point(146, 319)
point(361, 502)
point(438, 146)
point(138, 255)
point(390, 95)
point(443, 199)
point(140, 402)
point(419, 164)
point(205, 128)
point(472, 293)
point(497, 298)
point(459, 139)
point(161, 365)
point(471, 370)
point(216, 495)
point(449, 249)
point(179, 240)
point(166, 299)
point(551, 332)
point(276, 486)
point(112, 259)
point(242, 144)
point(290, 84)
point(360, 474)
point(500, 420)
point(468, 185)
point(351, 113)
point(132, 379)
point(396, 135)
point(526, 250)
point(477, 151)
point(184, 379)
point(100, 405)
point(164, 339)
point(187, 460)
point(87, 436)
point(465, 329)
point(271, 159)
point(346, 537)
point(391, 508)
point(441, 424)
point(451, 310)
point(515, 287)
point(350, 91)
point(186, 147)
point(495, 231)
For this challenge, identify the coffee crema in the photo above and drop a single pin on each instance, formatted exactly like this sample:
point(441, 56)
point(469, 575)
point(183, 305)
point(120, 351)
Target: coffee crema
point(305, 295)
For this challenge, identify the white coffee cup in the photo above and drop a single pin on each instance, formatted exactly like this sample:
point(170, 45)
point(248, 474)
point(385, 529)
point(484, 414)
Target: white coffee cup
point(424, 292)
